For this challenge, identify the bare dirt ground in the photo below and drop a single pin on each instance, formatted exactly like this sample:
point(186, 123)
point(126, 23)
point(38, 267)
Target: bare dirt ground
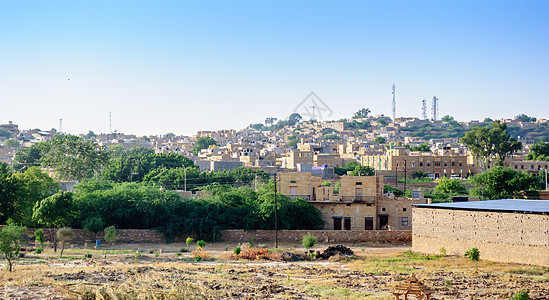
point(143, 271)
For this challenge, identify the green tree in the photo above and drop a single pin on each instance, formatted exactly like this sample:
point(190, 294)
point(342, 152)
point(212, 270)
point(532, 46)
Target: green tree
point(94, 225)
point(380, 139)
point(37, 185)
point(72, 157)
point(90, 135)
point(27, 157)
point(525, 118)
point(12, 143)
point(503, 183)
point(421, 148)
point(57, 210)
point(64, 235)
point(10, 242)
point(487, 120)
point(362, 171)
point(170, 134)
point(270, 121)
point(539, 151)
point(450, 186)
point(202, 143)
point(490, 144)
point(11, 195)
point(361, 113)
point(294, 119)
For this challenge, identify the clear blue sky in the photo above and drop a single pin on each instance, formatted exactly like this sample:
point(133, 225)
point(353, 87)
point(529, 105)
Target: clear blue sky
point(183, 66)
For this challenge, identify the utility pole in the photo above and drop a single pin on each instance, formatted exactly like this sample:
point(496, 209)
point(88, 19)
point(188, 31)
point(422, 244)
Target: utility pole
point(546, 180)
point(276, 217)
point(185, 171)
point(396, 176)
point(404, 175)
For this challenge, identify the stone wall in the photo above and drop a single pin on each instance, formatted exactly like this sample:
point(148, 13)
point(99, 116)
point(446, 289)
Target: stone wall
point(323, 236)
point(124, 235)
point(499, 236)
point(332, 236)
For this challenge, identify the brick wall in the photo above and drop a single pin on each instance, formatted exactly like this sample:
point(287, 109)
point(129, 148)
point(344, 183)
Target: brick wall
point(499, 236)
point(323, 236)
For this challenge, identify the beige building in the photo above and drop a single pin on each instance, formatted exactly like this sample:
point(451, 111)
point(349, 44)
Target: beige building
point(443, 165)
point(353, 203)
point(511, 231)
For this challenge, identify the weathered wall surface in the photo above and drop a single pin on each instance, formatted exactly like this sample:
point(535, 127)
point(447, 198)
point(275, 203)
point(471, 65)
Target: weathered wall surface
point(339, 236)
point(331, 236)
point(502, 237)
point(124, 235)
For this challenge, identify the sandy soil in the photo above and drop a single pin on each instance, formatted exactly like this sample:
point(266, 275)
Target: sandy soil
point(371, 274)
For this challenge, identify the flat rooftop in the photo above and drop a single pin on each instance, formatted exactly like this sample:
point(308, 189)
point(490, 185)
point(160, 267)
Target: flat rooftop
point(503, 205)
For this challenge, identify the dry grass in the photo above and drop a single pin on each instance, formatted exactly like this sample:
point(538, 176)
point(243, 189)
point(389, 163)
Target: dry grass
point(370, 276)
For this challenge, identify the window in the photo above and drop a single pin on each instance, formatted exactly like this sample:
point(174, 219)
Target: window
point(359, 183)
point(368, 223)
point(404, 221)
point(404, 209)
point(347, 223)
point(383, 209)
point(428, 164)
point(292, 181)
point(337, 223)
point(522, 166)
point(453, 164)
point(516, 167)
point(412, 165)
point(460, 164)
point(421, 164)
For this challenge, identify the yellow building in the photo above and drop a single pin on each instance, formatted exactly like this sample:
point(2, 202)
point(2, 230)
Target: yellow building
point(444, 165)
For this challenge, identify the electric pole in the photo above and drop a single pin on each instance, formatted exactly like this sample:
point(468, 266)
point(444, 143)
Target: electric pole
point(404, 175)
point(276, 218)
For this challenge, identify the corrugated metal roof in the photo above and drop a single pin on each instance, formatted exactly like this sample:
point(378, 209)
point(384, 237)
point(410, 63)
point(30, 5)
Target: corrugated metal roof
point(507, 205)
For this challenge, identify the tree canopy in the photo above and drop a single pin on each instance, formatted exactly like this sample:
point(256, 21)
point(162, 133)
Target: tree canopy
point(203, 143)
point(72, 157)
point(362, 171)
point(502, 183)
point(539, 151)
point(491, 144)
point(362, 113)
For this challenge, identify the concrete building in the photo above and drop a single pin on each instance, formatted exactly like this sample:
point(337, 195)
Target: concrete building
point(443, 165)
point(353, 203)
point(511, 231)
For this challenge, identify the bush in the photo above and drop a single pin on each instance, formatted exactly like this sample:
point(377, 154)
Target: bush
point(522, 295)
point(309, 241)
point(188, 241)
point(236, 250)
point(201, 244)
point(111, 235)
point(473, 254)
point(39, 236)
point(64, 235)
point(38, 250)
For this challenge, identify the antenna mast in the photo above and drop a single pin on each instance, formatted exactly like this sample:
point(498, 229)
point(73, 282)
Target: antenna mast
point(424, 109)
point(394, 103)
point(110, 122)
point(60, 125)
point(434, 111)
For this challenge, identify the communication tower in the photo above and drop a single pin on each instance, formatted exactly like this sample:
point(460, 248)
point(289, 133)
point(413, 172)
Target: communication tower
point(424, 109)
point(394, 104)
point(434, 112)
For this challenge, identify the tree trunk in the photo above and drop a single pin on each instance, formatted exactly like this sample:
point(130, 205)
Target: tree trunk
point(54, 240)
point(9, 262)
point(62, 248)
